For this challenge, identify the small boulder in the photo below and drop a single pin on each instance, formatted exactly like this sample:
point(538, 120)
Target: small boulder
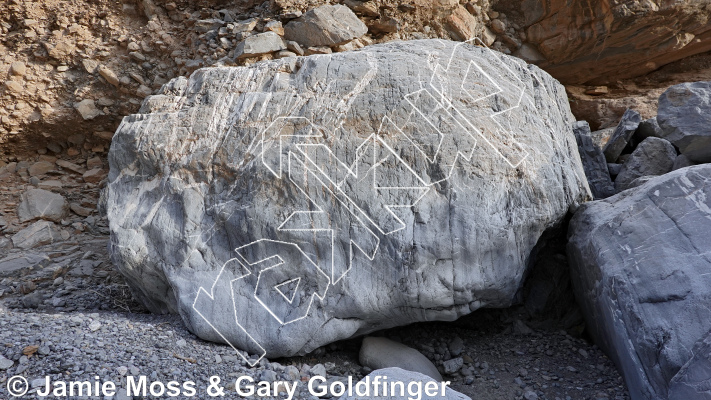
point(623, 133)
point(652, 157)
point(257, 45)
point(42, 204)
point(39, 233)
point(328, 25)
point(683, 116)
point(461, 24)
point(379, 352)
point(87, 109)
point(18, 68)
point(648, 128)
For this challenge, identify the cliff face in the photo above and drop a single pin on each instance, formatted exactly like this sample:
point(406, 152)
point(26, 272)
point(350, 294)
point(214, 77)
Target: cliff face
point(597, 42)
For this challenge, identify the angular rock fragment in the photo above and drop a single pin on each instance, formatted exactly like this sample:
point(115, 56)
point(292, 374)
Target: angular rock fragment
point(328, 25)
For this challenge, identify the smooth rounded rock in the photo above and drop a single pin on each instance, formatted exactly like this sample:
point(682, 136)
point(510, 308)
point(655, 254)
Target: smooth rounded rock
point(379, 352)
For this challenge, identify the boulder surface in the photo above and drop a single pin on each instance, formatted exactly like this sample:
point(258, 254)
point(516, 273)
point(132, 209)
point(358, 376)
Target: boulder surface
point(685, 119)
point(640, 263)
point(296, 202)
point(652, 157)
point(594, 162)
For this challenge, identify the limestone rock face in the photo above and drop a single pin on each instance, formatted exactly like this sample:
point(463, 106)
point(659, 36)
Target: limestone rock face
point(283, 206)
point(640, 266)
point(597, 41)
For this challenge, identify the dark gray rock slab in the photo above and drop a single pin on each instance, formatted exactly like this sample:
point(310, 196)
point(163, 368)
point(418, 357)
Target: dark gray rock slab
point(652, 157)
point(407, 378)
point(42, 204)
point(693, 381)
point(594, 162)
point(684, 116)
point(622, 135)
point(640, 263)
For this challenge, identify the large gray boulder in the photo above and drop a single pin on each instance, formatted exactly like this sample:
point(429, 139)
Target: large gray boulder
point(693, 381)
point(685, 118)
point(652, 157)
point(414, 386)
point(289, 204)
point(594, 162)
point(640, 265)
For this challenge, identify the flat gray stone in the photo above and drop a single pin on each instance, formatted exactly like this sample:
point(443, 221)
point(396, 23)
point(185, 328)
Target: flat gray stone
point(406, 377)
point(328, 25)
point(380, 352)
point(257, 45)
point(42, 204)
point(594, 162)
point(683, 116)
point(652, 157)
point(18, 263)
point(38, 234)
point(640, 263)
point(5, 363)
point(453, 365)
point(242, 153)
point(622, 135)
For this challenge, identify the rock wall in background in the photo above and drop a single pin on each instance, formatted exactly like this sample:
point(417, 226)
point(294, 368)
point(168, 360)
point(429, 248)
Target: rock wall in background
point(600, 42)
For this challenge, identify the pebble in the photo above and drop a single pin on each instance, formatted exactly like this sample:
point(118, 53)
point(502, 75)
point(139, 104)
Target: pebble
point(453, 365)
point(5, 363)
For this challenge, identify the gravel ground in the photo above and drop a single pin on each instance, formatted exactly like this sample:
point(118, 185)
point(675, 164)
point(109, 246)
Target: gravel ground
point(65, 312)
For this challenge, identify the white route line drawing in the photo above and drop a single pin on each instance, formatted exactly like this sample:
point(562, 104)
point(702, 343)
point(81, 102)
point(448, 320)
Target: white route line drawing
point(320, 221)
point(294, 289)
point(348, 183)
point(436, 82)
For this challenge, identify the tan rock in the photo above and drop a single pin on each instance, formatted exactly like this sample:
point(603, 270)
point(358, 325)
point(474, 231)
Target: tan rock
point(94, 175)
point(14, 87)
point(87, 109)
point(461, 24)
point(18, 68)
point(40, 168)
point(71, 166)
point(274, 26)
point(94, 163)
point(109, 75)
